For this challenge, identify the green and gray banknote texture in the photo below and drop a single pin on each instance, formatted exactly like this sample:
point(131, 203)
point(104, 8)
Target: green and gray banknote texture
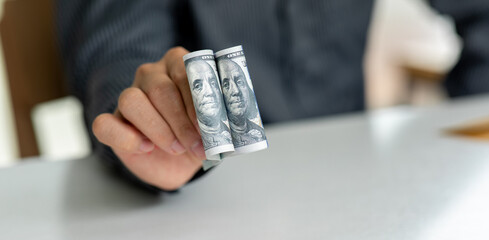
point(225, 103)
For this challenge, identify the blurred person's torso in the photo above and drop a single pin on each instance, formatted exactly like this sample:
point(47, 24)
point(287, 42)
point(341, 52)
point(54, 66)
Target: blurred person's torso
point(305, 57)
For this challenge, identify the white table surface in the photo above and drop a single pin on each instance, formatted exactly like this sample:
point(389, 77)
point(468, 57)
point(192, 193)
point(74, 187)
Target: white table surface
point(389, 174)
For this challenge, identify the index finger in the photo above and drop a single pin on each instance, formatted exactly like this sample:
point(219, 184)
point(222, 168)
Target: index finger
point(176, 71)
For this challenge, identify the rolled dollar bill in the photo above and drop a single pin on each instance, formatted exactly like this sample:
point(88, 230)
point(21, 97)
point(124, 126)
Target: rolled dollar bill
point(209, 105)
point(247, 130)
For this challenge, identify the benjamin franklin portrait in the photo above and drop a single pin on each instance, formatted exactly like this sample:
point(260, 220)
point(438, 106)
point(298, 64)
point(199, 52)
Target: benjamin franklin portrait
point(240, 104)
point(208, 104)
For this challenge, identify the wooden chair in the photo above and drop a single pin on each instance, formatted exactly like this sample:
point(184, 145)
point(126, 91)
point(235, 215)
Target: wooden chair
point(33, 65)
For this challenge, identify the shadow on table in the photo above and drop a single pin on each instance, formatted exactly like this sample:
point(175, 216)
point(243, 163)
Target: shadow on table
point(93, 192)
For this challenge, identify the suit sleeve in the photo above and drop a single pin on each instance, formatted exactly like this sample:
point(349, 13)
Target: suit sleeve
point(471, 74)
point(102, 44)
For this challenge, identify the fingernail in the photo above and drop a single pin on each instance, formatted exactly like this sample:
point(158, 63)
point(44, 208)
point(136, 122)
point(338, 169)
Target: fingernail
point(177, 147)
point(146, 146)
point(198, 149)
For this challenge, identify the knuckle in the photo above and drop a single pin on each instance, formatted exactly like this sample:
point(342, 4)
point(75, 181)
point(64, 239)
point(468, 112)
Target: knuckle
point(145, 69)
point(128, 97)
point(174, 51)
point(98, 124)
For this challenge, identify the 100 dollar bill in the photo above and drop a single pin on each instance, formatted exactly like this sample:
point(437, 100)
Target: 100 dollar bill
point(225, 104)
point(242, 109)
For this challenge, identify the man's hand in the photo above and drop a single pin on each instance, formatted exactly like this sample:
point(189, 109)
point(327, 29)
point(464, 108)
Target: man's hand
point(154, 129)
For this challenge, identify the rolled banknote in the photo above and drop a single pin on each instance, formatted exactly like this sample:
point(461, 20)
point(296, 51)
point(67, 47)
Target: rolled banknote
point(209, 105)
point(247, 130)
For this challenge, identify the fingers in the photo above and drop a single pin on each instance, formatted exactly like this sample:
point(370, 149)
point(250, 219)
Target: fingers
point(166, 98)
point(160, 105)
point(113, 132)
point(136, 108)
point(175, 67)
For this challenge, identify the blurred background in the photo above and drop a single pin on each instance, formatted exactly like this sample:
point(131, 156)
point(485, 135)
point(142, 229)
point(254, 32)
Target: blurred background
point(411, 47)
